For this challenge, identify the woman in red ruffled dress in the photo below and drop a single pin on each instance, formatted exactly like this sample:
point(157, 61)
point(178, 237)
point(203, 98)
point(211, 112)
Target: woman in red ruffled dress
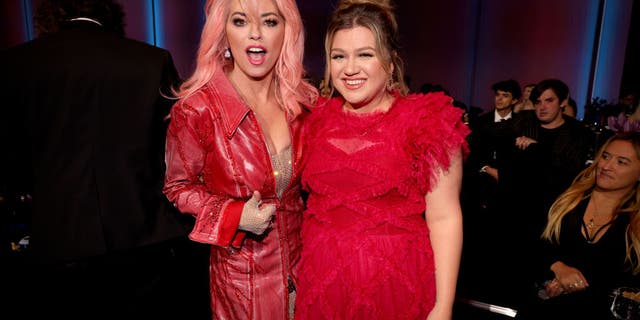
point(382, 232)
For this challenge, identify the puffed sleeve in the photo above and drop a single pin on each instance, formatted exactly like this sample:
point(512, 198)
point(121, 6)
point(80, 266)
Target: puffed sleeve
point(435, 133)
point(217, 215)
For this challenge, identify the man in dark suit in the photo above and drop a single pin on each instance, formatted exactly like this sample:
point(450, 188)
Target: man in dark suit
point(84, 110)
point(492, 133)
point(482, 194)
point(490, 129)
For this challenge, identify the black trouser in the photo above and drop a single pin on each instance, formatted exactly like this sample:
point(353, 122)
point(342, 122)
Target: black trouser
point(163, 280)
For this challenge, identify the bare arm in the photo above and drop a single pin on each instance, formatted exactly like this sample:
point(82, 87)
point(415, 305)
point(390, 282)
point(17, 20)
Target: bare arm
point(444, 218)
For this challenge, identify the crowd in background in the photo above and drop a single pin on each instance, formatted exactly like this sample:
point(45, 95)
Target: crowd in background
point(519, 167)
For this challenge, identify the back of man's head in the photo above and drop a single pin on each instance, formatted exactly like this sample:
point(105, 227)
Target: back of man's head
point(511, 86)
point(52, 14)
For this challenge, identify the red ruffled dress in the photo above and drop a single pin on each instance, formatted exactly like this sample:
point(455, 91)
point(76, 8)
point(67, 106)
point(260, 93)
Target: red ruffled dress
point(366, 250)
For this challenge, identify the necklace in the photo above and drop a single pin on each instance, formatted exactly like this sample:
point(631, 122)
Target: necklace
point(591, 224)
point(596, 214)
point(592, 227)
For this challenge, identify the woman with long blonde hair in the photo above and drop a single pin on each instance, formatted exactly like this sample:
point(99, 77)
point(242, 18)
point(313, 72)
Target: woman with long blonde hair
point(233, 153)
point(593, 234)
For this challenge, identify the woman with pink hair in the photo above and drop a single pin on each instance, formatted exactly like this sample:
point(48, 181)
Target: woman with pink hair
point(233, 154)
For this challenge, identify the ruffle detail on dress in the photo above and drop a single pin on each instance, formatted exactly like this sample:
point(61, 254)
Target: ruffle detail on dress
point(433, 136)
point(367, 253)
point(424, 129)
point(346, 125)
point(382, 265)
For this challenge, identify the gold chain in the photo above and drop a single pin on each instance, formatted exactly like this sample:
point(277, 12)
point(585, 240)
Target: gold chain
point(591, 225)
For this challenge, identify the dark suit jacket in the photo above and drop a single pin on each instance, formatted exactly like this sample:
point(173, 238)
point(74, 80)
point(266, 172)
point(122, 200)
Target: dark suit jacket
point(487, 144)
point(84, 120)
point(488, 139)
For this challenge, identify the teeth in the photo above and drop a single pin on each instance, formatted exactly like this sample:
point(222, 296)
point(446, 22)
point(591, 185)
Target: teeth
point(354, 82)
point(255, 50)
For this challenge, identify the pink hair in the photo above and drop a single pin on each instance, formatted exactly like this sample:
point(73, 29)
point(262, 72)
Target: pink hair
point(292, 90)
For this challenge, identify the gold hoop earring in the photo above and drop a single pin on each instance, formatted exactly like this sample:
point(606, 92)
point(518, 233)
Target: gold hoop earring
point(390, 84)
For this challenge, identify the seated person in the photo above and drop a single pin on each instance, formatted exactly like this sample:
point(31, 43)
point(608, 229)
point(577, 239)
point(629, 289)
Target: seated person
point(593, 237)
point(525, 103)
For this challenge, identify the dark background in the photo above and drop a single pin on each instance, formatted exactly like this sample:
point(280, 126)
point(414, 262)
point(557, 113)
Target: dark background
point(463, 45)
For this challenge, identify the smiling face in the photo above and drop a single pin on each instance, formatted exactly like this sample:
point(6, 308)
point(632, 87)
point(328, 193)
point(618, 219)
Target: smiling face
point(618, 167)
point(357, 70)
point(255, 36)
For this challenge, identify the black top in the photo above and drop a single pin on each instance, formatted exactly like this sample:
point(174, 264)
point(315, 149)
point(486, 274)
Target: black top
point(602, 263)
point(536, 176)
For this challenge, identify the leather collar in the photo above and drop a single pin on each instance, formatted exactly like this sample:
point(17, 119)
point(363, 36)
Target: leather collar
point(227, 102)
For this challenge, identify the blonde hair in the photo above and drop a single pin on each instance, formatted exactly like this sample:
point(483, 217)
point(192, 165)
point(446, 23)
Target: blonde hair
point(583, 186)
point(291, 89)
point(378, 17)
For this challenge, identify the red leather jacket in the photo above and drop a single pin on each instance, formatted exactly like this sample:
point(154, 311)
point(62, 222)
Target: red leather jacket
point(216, 157)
